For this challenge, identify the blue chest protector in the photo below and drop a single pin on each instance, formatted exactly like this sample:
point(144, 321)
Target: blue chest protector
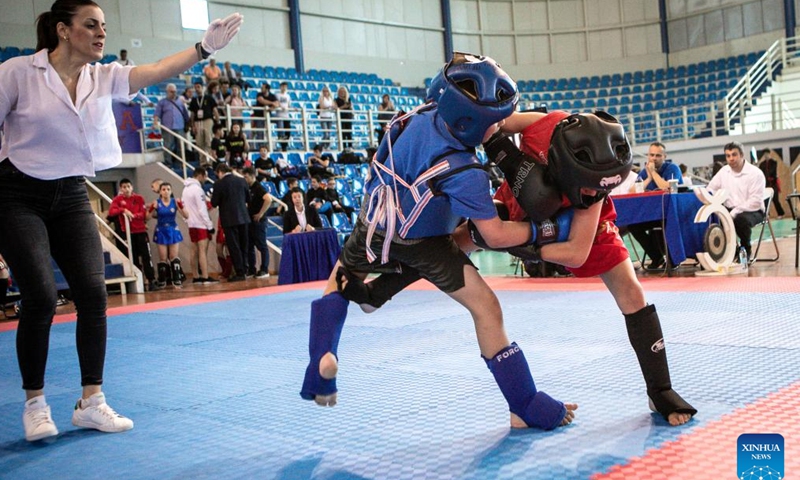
point(166, 213)
point(406, 170)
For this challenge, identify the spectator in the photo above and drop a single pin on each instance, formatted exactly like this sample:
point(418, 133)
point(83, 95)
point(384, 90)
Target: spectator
point(658, 171)
point(291, 184)
point(260, 202)
point(298, 218)
point(318, 165)
point(769, 166)
point(267, 103)
point(265, 167)
point(281, 116)
point(204, 115)
point(124, 60)
point(131, 205)
point(237, 148)
point(386, 111)
point(237, 105)
point(219, 151)
point(232, 76)
point(345, 107)
point(687, 179)
point(745, 185)
point(231, 195)
point(45, 160)
point(171, 113)
point(168, 236)
point(326, 107)
point(200, 226)
point(212, 71)
point(317, 197)
point(187, 96)
point(332, 196)
point(656, 176)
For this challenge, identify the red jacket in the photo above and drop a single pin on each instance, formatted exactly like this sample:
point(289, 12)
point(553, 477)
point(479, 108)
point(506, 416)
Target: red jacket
point(135, 204)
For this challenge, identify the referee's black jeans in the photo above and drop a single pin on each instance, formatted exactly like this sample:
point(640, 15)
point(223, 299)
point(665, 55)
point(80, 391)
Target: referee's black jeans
point(40, 219)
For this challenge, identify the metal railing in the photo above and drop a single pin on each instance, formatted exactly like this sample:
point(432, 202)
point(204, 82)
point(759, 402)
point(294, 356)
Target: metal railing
point(103, 224)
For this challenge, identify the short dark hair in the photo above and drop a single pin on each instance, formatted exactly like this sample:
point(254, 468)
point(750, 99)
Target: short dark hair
point(123, 51)
point(660, 145)
point(735, 146)
point(222, 168)
point(317, 178)
point(199, 172)
point(284, 83)
point(124, 181)
point(249, 171)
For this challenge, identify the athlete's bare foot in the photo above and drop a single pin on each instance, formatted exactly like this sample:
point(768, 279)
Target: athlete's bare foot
point(676, 419)
point(328, 368)
point(517, 422)
point(365, 307)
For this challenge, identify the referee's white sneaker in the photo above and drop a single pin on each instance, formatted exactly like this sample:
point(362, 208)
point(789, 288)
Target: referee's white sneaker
point(95, 413)
point(37, 420)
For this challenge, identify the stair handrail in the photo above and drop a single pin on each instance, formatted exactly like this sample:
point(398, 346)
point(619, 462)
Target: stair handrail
point(184, 143)
point(783, 52)
point(101, 221)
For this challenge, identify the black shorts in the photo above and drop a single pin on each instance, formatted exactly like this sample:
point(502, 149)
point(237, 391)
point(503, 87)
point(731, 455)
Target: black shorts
point(436, 259)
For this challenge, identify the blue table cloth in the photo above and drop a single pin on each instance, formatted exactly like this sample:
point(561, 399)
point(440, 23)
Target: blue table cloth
point(683, 237)
point(308, 256)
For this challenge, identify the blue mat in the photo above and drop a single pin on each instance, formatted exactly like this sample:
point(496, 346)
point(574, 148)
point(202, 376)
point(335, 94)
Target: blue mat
point(213, 388)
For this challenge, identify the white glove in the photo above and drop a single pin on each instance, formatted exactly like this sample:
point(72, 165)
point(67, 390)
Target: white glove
point(220, 32)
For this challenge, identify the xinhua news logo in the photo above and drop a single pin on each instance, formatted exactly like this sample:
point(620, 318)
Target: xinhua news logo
point(760, 456)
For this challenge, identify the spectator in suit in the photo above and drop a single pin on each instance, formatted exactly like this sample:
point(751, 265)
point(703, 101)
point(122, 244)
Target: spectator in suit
point(298, 218)
point(231, 195)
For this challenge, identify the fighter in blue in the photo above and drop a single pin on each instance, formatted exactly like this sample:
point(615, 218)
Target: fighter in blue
point(424, 179)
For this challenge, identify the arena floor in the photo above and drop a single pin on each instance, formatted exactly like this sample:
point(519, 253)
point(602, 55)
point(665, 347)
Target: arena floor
point(212, 384)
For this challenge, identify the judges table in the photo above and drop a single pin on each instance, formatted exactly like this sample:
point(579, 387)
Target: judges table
point(308, 256)
point(683, 237)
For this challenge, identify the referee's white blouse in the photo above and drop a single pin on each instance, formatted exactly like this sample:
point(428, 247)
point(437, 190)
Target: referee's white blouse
point(46, 136)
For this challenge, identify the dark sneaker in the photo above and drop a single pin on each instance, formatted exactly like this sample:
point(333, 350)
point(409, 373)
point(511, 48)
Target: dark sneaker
point(198, 281)
point(262, 274)
point(210, 280)
point(656, 265)
point(236, 278)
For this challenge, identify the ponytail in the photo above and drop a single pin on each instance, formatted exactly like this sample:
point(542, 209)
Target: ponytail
point(46, 35)
point(62, 11)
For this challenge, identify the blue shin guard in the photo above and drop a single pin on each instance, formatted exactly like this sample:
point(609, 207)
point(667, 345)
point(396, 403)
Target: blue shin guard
point(513, 376)
point(327, 319)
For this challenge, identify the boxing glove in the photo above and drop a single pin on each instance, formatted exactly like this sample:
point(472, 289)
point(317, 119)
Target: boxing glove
point(555, 230)
point(542, 233)
point(527, 178)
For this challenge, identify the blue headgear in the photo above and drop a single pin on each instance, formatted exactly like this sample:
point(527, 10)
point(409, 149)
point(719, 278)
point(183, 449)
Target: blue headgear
point(473, 93)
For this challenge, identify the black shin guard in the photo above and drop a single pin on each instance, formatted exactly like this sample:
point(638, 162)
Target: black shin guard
point(164, 273)
point(3, 291)
point(644, 332)
point(376, 292)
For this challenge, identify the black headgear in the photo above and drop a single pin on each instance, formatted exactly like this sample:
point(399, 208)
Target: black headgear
point(589, 151)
